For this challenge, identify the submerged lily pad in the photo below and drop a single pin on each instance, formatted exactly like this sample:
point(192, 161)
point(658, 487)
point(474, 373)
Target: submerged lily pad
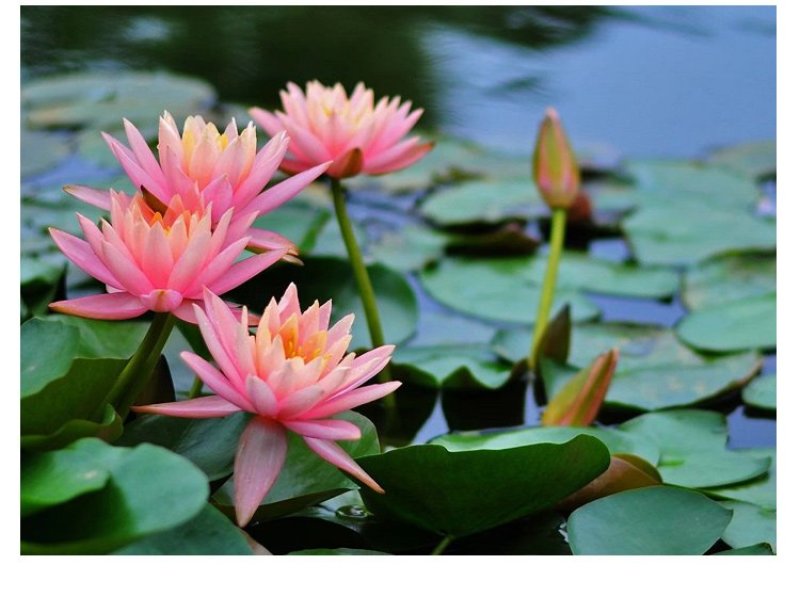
point(729, 278)
point(738, 325)
point(147, 490)
point(305, 478)
point(762, 393)
point(460, 493)
point(648, 521)
point(693, 452)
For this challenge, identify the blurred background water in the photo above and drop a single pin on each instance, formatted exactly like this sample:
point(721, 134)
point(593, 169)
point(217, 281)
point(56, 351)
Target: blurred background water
point(652, 81)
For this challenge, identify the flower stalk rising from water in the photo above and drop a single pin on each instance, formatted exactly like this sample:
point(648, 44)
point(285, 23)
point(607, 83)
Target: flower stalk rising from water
point(557, 176)
point(292, 375)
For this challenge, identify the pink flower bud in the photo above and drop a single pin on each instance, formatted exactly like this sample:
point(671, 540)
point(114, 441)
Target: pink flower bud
point(555, 169)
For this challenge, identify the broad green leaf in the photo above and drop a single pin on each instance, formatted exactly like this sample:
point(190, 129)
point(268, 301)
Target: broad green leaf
point(208, 533)
point(460, 493)
point(738, 325)
point(615, 440)
point(485, 202)
point(762, 392)
point(108, 427)
point(759, 549)
point(451, 366)
point(323, 278)
point(209, 443)
point(729, 278)
point(148, 490)
point(299, 222)
point(760, 491)
point(754, 159)
point(693, 452)
point(39, 283)
point(536, 535)
point(306, 479)
point(409, 249)
point(647, 521)
point(750, 524)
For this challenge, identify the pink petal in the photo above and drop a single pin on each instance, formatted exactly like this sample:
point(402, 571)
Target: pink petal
point(352, 399)
point(242, 271)
point(334, 454)
point(162, 300)
point(285, 190)
point(266, 163)
point(89, 195)
point(300, 401)
point(262, 396)
point(330, 429)
point(142, 152)
point(347, 164)
point(215, 380)
point(259, 459)
point(80, 253)
point(266, 120)
point(135, 172)
point(266, 240)
point(206, 407)
point(117, 305)
point(409, 157)
point(125, 270)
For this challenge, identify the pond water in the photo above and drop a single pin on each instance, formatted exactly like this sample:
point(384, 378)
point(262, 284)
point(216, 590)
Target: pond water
point(651, 81)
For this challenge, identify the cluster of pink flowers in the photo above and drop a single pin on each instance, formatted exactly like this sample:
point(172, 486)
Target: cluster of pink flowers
point(176, 245)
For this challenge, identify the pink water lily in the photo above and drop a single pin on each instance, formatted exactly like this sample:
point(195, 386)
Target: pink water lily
point(206, 167)
point(158, 260)
point(293, 375)
point(358, 135)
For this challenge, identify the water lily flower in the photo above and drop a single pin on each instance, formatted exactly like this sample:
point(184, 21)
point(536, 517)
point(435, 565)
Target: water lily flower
point(555, 168)
point(292, 375)
point(158, 259)
point(358, 135)
point(206, 167)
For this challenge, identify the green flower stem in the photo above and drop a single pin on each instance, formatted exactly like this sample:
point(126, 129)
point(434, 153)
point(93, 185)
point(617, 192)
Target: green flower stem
point(558, 226)
point(197, 385)
point(363, 282)
point(443, 544)
point(141, 365)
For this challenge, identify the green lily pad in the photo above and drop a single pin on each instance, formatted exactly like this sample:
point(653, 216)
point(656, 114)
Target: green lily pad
point(409, 249)
point(306, 479)
point(760, 491)
point(108, 427)
point(507, 289)
point(147, 490)
point(729, 278)
point(738, 325)
point(299, 222)
point(451, 366)
point(460, 493)
point(762, 392)
point(759, 549)
point(208, 533)
point(655, 370)
point(750, 524)
point(693, 452)
point(323, 278)
point(328, 242)
point(648, 521)
point(676, 234)
point(208, 443)
point(615, 440)
point(101, 102)
point(485, 202)
point(41, 151)
point(755, 159)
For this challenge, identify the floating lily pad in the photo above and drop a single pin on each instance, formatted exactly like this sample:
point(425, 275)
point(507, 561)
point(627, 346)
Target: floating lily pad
point(147, 490)
point(648, 521)
point(209, 443)
point(759, 549)
point(761, 393)
point(507, 289)
point(460, 493)
point(323, 278)
point(485, 202)
point(671, 234)
point(328, 241)
point(738, 325)
point(100, 102)
point(208, 533)
point(761, 490)
point(755, 159)
point(615, 440)
point(693, 452)
point(409, 249)
point(299, 222)
point(750, 524)
point(451, 366)
point(729, 278)
point(306, 479)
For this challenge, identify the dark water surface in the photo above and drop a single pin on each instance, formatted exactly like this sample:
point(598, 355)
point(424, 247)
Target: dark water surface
point(632, 82)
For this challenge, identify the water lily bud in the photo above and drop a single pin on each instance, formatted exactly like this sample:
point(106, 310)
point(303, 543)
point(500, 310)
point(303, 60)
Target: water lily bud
point(555, 169)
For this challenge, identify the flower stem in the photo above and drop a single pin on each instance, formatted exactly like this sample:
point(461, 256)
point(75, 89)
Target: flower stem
point(197, 385)
point(443, 544)
point(363, 282)
point(141, 365)
point(557, 227)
